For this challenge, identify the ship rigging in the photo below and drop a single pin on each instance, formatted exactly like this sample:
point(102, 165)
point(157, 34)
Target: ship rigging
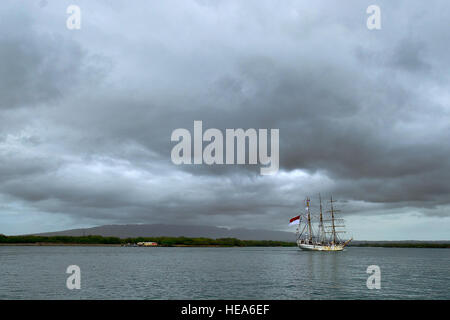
point(327, 236)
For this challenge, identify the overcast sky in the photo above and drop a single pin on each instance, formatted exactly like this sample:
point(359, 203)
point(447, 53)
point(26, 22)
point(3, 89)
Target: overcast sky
point(86, 115)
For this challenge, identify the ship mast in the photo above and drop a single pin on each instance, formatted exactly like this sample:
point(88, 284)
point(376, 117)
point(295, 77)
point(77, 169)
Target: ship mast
point(321, 228)
point(309, 220)
point(332, 222)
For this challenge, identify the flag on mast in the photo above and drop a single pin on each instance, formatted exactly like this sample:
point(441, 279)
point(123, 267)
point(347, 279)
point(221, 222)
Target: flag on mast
point(295, 220)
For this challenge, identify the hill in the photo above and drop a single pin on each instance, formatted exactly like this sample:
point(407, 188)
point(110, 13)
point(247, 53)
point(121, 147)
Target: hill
point(163, 230)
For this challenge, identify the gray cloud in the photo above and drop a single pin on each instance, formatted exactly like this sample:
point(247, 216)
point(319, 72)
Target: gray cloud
point(88, 114)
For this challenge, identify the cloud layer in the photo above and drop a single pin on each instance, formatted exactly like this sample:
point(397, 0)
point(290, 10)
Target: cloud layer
point(87, 114)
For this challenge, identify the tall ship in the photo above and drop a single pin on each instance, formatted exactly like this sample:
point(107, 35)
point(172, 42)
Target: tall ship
point(319, 232)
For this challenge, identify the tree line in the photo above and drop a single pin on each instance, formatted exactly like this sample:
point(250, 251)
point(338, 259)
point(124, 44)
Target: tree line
point(402, 244)
point(162, 241)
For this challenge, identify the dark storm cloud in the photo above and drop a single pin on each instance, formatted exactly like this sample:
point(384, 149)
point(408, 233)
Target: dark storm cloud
point(88, 114)
point(38, 68)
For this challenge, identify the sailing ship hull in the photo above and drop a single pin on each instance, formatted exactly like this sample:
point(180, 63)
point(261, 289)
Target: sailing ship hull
point(319, 247)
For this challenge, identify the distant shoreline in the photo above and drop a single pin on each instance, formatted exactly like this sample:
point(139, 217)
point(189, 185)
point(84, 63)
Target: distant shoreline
point(44, 244)
point(125, 246)
point(417, 245)
point(93, 240)
point(49, 244)
point(99, 241)
point(421, 246)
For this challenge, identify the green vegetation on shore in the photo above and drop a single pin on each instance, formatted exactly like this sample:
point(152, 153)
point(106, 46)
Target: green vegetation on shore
point(406, 244)
point(162, 241)
point(198, 242)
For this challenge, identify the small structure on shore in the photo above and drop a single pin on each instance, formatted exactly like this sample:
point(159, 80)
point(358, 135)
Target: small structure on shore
point(147, 244)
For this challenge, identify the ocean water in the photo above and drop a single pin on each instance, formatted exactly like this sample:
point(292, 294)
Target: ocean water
point(222, 273)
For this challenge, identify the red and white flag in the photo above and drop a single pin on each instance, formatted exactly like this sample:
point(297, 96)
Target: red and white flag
point(295, 220)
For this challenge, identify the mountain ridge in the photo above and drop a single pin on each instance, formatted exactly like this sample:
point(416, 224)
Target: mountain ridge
point(160, 230)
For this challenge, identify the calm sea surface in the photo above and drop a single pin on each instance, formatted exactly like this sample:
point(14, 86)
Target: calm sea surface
point(222, 273)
